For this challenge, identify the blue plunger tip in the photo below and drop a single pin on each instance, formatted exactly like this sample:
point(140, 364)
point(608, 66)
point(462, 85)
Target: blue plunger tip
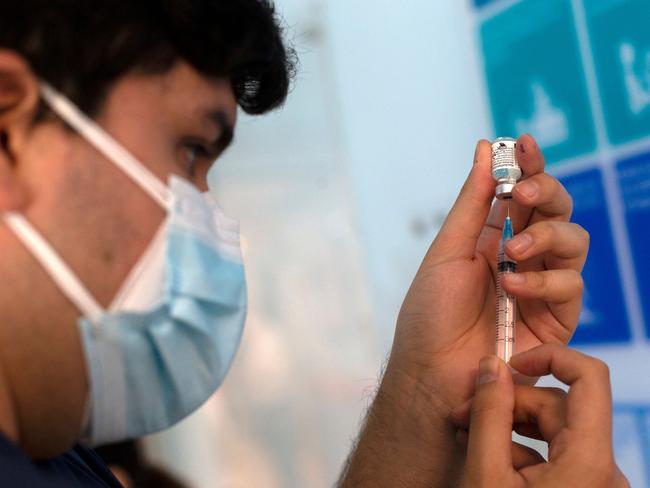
point(507, 229)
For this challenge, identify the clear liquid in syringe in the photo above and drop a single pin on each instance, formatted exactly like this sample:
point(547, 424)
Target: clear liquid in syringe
point(506, 303)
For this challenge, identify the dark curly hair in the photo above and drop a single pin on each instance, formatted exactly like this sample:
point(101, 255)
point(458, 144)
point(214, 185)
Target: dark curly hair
point(83, 46)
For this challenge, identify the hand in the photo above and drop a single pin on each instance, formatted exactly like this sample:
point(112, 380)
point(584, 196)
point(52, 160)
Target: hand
point(577, 426)
point(447, 321)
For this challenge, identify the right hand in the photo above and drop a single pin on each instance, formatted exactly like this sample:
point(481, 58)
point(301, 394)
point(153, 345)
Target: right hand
point(577, 426)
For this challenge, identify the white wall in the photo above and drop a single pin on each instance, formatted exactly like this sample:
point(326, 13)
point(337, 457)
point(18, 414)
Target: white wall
point(412, 109)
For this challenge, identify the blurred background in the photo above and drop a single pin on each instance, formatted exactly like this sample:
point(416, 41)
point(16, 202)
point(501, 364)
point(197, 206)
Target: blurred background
point(342, 191)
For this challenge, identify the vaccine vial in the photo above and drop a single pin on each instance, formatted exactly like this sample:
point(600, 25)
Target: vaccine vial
point(505, 169)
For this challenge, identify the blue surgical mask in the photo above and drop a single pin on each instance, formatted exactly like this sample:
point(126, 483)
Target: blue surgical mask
point(166, 342)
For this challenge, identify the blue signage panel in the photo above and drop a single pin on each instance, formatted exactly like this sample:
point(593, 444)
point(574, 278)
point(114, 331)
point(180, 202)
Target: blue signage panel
point(535, 77)
point(620, 42)
point(632, 442)
point(634, 178)
point(603, 318)
point(480, 3)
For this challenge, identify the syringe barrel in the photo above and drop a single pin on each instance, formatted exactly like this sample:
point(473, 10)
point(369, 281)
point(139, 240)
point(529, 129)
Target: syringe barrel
point(506, 315)
point(506, 303)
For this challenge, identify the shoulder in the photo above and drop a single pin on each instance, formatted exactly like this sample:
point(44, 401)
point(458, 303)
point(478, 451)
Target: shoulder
point(78, 467)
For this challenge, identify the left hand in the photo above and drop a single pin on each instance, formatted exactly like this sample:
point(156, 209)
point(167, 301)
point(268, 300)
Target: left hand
point(447, 321)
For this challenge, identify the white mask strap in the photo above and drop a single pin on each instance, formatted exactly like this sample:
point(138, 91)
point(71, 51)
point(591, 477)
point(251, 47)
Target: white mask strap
point(62, 275)
point(105, 144)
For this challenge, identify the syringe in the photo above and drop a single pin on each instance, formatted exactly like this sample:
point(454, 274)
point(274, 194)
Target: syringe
point(506, 303)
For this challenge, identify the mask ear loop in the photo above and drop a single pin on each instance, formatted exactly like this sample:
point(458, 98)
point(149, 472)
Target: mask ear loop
point(105, 144)
point(62, 275)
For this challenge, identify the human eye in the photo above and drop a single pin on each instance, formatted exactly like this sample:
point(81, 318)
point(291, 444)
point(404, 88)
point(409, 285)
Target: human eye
point(194, 152)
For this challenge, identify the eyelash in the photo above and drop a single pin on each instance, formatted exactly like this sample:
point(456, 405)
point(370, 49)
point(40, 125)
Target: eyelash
point(200, 151)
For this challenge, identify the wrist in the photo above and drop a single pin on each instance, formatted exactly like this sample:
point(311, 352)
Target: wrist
point(407, 439)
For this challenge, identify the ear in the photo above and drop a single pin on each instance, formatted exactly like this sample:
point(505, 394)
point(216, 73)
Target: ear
point(19, 99)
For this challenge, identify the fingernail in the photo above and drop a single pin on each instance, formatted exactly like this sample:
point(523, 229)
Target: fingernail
point(520, 243)
point(521, 146)
point(474, 161)
point(529, 189)
point(515, 278)
point(488, 370)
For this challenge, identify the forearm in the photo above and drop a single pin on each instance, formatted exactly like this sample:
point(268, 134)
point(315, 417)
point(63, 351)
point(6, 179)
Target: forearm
point(406, 441)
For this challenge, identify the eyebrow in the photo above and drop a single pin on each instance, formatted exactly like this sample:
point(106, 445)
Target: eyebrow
point(226, 130)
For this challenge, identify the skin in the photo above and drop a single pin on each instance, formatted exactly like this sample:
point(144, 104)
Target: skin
point(94, 216)
point(577, 426)
point(446, 323)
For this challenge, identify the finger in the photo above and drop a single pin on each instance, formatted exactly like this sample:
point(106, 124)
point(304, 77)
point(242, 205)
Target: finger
point(588, 409)
point(563, 244)
point(490, 433)
point(529, 156)
point(555, 286)
point(531, 161)
point(523, 456)
point(545, 194)
point(538, 197)
point(540, 411)
point(462, 227)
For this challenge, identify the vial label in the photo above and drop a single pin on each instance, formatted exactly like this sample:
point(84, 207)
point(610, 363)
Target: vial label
point(503, 157)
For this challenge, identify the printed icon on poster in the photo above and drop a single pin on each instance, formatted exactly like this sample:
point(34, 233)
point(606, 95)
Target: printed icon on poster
point(548, 123)
point(636, 74)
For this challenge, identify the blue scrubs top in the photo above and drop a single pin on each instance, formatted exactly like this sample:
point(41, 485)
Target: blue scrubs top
point(78, 467)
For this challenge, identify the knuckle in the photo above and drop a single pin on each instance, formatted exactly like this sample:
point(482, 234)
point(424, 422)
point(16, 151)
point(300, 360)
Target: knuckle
point(580, 284)
point(557, 393)
point(584, 236)
point(600, 368)
point(552, 403)
point(569, 199)
point(574, 279)
point(538, 281)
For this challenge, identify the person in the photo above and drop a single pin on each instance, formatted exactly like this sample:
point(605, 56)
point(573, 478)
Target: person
point(128, 462)
point(577, 426)
point(123, 292)
point(122, 297)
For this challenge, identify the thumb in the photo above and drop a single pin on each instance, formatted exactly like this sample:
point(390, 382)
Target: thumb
point(462, 227)
point(489, 451)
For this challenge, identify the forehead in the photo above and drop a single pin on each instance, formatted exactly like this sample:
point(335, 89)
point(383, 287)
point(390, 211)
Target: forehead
point(182, 92)
point(187, 89)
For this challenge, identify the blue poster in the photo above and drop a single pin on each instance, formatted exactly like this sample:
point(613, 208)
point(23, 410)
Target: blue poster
point(634, 178)
point(535, 78)
point(604, 317)
point(632, 441)
point(480, 3)
point(620, 42)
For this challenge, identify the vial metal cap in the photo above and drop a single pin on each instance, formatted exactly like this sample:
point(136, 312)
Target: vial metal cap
point(503, 191)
